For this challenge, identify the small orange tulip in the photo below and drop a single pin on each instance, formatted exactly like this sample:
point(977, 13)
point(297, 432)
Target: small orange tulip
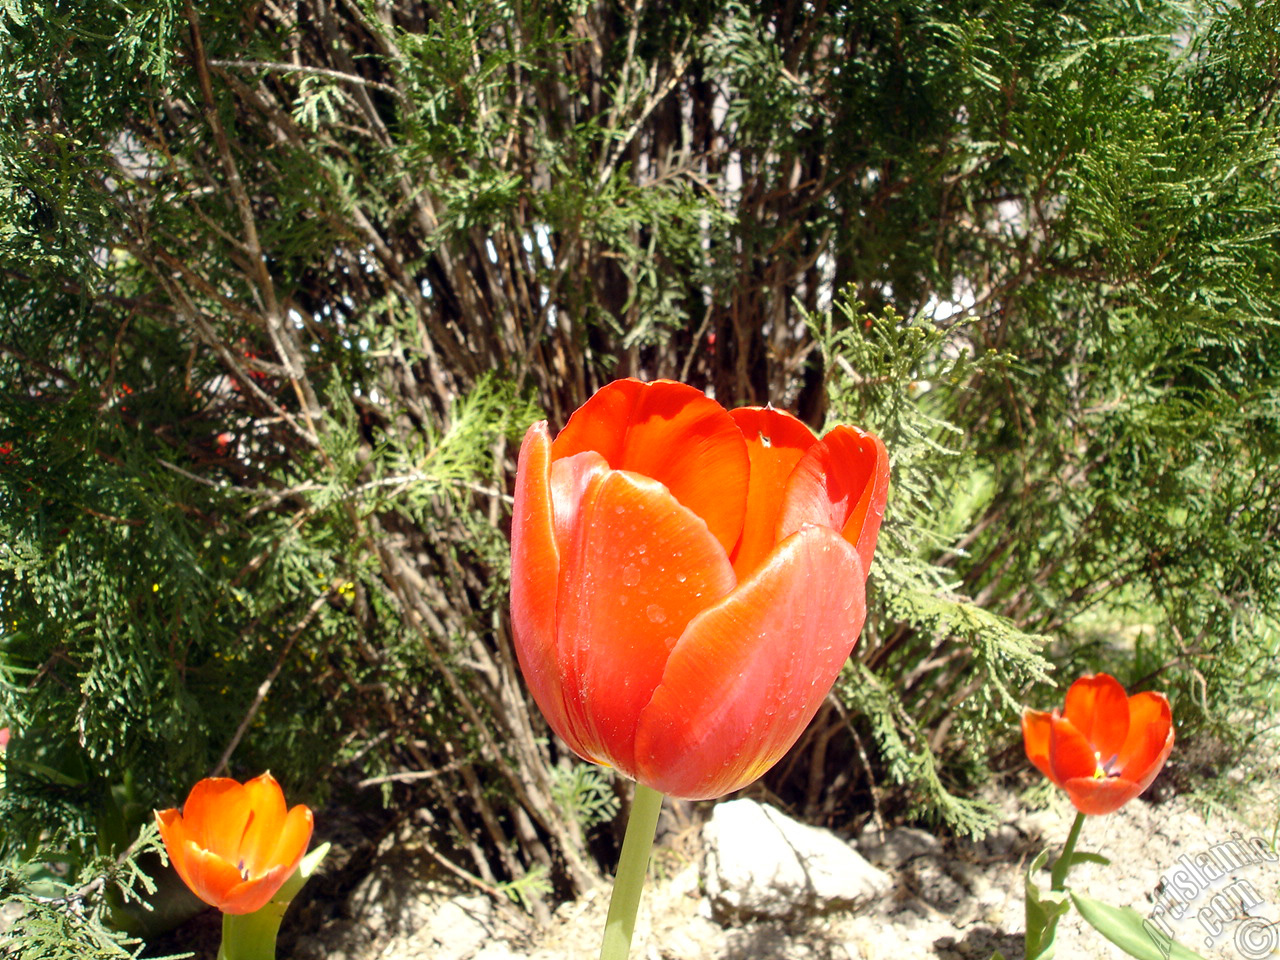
point(235, 845)
point(1105, 748)
point(688, 581)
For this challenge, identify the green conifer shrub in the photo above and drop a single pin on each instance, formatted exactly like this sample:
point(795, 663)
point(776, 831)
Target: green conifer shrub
point(281, 287)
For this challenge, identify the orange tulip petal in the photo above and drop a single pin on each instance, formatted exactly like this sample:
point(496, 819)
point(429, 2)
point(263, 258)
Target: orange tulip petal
point(749, 673)
point(173, 831)
point(1097, 797)
point(294, 838)
point(1146, 779)
point(570, 479)
point(215, 814)
point(234, 845)
point(775, 443)
point(1071, 756)
point(862, 528)
point(253, 894)
point(262, 829)
point(1106, 747)
point(1150, 723)
point(1098, 707)
point(674, 434)
point(535, 571)
point(842, 482)
point(1150, 738)
point(637, 570)
point(210, 877)
point(1036, 730)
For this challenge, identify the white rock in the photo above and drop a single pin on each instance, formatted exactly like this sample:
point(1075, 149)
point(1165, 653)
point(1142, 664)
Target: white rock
point(761, 863)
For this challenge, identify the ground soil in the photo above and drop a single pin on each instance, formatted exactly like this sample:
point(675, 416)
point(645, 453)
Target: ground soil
point(952, 899)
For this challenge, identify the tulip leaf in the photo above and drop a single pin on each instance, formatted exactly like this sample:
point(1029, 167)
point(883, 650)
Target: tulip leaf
point(1043, 911)
point(311, 862)
point(306, 868)
point(44, 770)
point(1089, 858)
point(1131, 931)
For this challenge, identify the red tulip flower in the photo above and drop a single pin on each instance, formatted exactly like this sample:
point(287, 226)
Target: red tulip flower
point(235, 845)
point(688, 581)
point(1105, 748)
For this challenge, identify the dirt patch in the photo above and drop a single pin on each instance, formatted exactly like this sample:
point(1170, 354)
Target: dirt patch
point(951, 899)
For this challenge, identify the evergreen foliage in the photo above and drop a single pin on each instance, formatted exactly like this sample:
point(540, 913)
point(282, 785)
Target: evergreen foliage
point(281, 286)
point(70, 917)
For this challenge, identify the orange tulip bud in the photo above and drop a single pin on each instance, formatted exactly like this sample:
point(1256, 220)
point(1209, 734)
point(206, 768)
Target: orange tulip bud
point(235, 845)
point(1105, 748)
point(688, 581)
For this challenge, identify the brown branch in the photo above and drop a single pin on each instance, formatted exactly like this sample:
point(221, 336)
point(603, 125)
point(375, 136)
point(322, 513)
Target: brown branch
point(265, 687)
point(271, 67)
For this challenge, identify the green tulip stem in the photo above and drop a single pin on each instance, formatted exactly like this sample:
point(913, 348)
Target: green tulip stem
point(632, 866)
point(1063, 863)
point(251, 936)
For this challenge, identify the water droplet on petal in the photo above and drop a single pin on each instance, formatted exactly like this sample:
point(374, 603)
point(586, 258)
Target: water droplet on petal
point(656, 614)
point(630, 575)
point(681, 577)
